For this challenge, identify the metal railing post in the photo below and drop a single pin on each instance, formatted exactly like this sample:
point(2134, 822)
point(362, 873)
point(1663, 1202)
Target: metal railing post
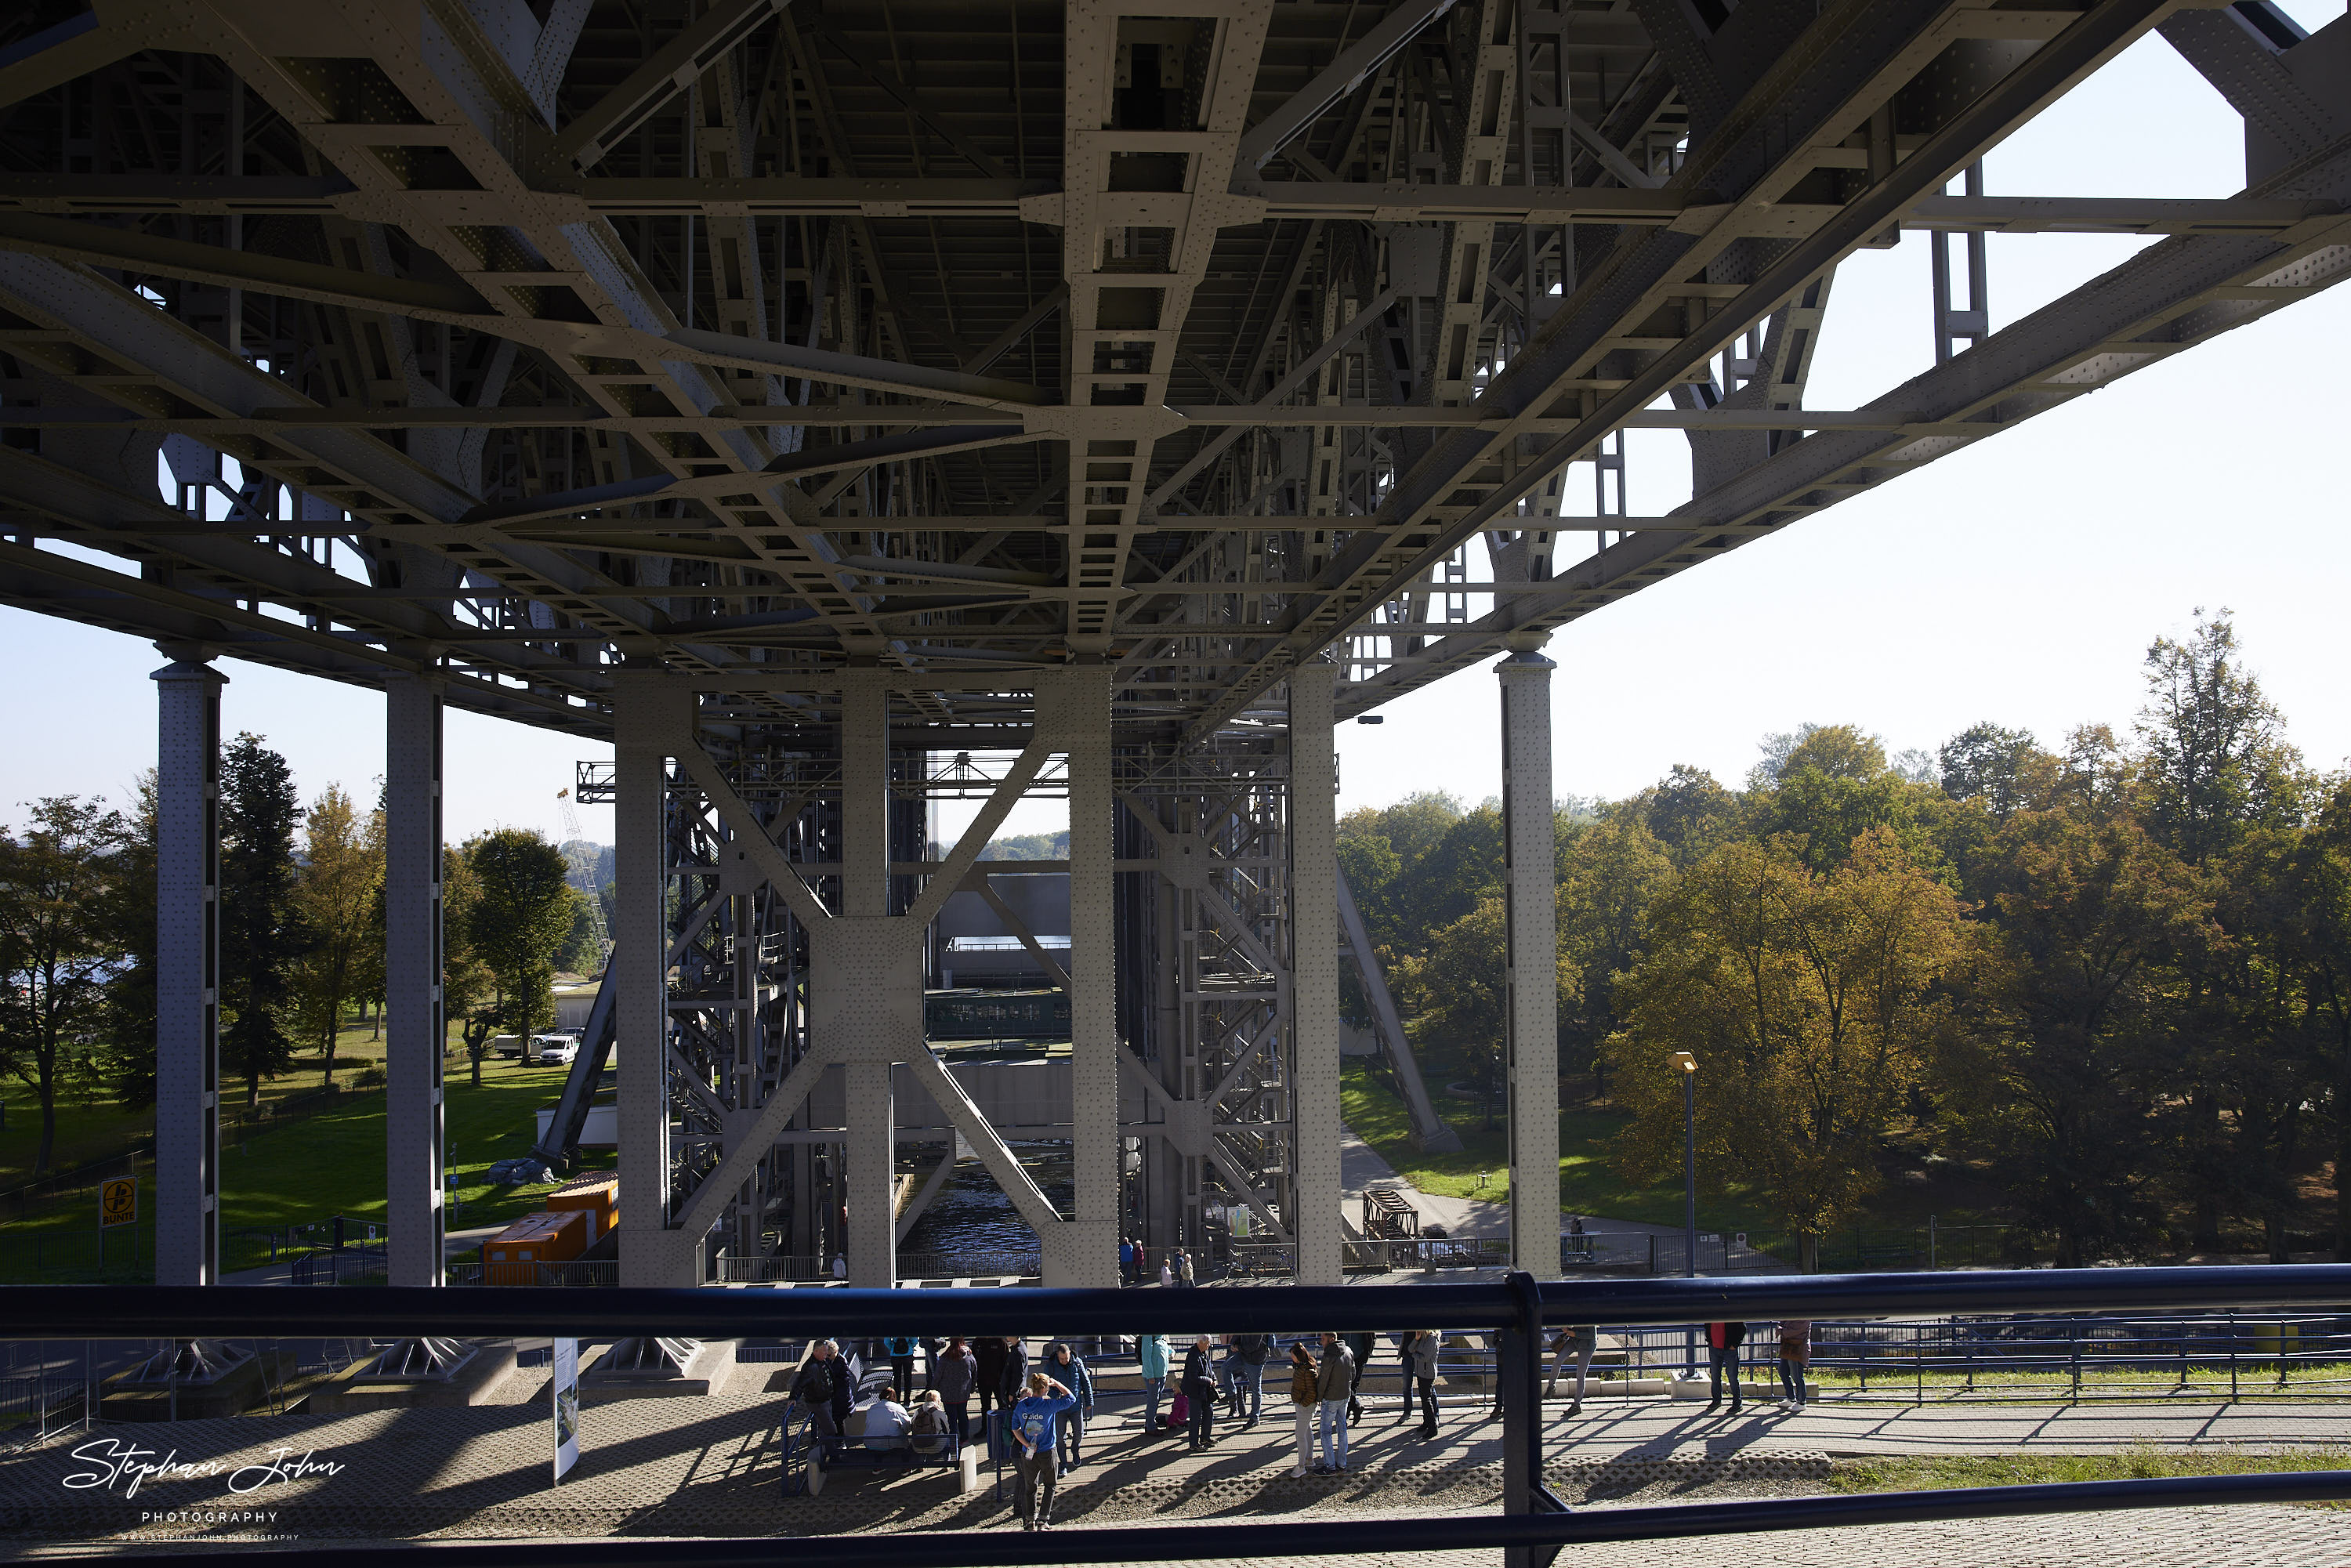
point(1518, 1386)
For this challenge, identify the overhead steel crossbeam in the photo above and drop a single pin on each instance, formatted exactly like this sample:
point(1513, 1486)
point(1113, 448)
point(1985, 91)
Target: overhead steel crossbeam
point(1201, 341)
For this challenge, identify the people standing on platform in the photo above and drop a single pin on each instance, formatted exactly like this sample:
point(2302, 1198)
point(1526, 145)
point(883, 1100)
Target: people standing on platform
point(1014, 1381)
point(1199, 1386)
point(1126, 1261)
point(1251, 1353)
point(845, 1378)
point(1305, 1399)
point(1722, 1342)
point(953, 1373)
point(1338, 1390)
point(1035, 1456)
point(841, 1266)
point(1064, 1363)
point(1795, 1360)
point(1360, 1345)
point(1577, 1341)
point(1151, 1354)
point(987, 1358)
point(1167, 1274)
point(1420, 1353)
point(812, 1386)
point(900, 1349)
point(1183, 1269)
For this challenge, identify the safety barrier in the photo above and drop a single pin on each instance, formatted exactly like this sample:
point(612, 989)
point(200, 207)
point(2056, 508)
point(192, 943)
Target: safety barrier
point(1534, 1522)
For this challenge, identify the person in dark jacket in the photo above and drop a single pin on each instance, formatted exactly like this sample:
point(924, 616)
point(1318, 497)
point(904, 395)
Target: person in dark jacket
point(1722, 1342)
point(1420, 1353)
point(813, 1386)
point(844, 1388)
point(1199, 1386)
point(1013, 1388)
point(1360, 1346)
point(1337, 1377)
point(987, 1356)
point(953, 1373)
point(1065, 1366)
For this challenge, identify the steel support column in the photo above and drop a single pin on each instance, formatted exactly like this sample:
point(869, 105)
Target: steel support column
point(1314, 972)
point(865, 896)
point(1531, 962)
point(1085, 1252)
point(187, 968)
point(415, 1147)
point(641, 711)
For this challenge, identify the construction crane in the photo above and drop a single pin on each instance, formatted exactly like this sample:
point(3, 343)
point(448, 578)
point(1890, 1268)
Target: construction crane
point(583, 877)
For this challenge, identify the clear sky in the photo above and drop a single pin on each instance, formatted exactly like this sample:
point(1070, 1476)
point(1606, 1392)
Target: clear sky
point(2019, 580)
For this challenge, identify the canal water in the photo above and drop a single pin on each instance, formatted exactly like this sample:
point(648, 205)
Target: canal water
point(971, 1228)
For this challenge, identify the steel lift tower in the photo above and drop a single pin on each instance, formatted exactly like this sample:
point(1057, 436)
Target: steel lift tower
point(798, 396)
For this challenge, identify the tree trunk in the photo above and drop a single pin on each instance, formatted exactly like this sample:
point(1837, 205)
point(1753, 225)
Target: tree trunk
point(49, 1092)
point(377, 1011)
point(475, 1051)
point(2208, 1202)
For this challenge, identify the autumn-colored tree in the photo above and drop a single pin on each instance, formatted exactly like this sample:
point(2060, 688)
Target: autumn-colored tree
point(1812, 1003)
point(335, 898)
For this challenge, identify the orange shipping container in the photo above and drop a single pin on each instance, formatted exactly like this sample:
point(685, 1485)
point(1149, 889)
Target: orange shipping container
point(512, 1257)
point(597, 1194)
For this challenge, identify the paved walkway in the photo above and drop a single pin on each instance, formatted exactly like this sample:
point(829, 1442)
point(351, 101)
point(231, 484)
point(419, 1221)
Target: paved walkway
point(710, 1465)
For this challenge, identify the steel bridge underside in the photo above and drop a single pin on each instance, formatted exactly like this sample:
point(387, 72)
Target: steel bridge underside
point(1112, 398)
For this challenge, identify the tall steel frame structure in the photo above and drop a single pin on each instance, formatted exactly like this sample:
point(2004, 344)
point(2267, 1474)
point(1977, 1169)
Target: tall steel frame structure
point(1120, 395)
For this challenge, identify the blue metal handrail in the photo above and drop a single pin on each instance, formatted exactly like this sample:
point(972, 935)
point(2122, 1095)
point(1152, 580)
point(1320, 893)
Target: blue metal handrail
point(83, 1312)
point(1534, 1523)
point(1335, 1536)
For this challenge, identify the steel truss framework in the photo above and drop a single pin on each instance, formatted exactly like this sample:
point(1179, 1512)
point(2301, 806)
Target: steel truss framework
point(896, 381)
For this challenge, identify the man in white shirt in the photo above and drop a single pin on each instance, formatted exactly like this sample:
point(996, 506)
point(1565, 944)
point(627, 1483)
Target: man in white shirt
point(886, 1426)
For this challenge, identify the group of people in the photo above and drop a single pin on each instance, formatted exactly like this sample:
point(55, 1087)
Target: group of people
point(1135, 1263)
point(1044, 1407)
point(1724, 1343)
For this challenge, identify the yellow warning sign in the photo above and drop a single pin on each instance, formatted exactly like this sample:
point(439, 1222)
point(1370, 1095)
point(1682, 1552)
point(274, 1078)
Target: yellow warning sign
point(118, 1202)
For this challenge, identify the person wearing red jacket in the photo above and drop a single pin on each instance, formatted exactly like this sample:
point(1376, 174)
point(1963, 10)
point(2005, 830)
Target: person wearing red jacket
point(1722, 1342)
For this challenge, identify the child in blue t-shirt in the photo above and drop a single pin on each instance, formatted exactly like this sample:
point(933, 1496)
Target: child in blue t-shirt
point(1035, 1461)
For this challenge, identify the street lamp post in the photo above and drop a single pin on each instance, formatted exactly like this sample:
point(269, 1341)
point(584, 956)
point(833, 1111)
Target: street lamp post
point(1689, 1065)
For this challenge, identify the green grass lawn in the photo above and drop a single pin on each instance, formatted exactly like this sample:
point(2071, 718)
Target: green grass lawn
point(1926, 1472)
point(1589, 1182)
point(99, 1128)
point(333, 1163)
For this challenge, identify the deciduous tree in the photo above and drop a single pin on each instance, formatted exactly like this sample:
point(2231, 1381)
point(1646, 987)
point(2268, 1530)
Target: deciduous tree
point(1812, 1003)
point(56, 882)
point(261, 935)
point(520, 911)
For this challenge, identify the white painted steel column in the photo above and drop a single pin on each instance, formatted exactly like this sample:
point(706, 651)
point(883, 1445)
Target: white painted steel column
point(644, 720)
point(1314, 972)
point(1083, 1251)
point(1531, 961)
point(865, 896)
point(187, 968)
point(415, 1134)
